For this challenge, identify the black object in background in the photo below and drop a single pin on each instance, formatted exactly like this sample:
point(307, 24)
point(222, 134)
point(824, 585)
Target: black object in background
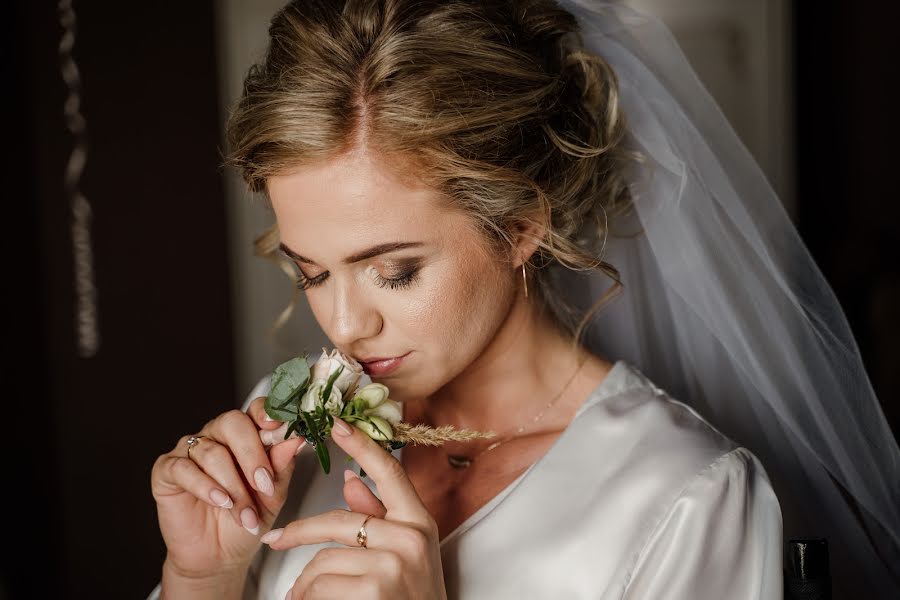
point(807, 575)
point(847, 135)
point(80, 520)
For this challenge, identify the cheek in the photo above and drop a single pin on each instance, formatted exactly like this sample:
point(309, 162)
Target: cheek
point(459, 313)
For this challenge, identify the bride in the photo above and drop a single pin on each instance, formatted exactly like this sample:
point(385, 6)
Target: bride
point(453, 183)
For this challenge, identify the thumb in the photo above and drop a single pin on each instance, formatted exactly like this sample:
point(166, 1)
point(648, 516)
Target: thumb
point(360, 498)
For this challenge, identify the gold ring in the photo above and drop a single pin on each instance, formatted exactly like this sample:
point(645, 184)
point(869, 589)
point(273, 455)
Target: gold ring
point(192, 441)
point(362, 536)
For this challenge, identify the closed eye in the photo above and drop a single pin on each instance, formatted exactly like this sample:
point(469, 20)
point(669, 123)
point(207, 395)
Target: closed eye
point(404, 281)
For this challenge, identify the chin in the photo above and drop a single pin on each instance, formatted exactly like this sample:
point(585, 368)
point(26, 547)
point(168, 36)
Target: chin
point(406, 388)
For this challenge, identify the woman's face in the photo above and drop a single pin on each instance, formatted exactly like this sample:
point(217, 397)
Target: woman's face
point(439, 300)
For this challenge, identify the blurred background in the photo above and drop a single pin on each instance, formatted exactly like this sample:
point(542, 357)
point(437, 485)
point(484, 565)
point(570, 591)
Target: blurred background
point(136, 320)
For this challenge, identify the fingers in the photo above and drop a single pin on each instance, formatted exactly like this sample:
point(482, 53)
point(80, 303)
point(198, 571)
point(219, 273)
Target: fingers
point(397, 492)
point(216, 461)
point(314, 580)
point(360, 498)
point(282, 458)
point(341, 526)
point(274, 436)
point(335, 587)
point(237, 431)
point(256, 411)
point(187, 476)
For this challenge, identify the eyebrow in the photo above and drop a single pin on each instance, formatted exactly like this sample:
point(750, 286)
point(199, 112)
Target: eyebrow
point(359, 256)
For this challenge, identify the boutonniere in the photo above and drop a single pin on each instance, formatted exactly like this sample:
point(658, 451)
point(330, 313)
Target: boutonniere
point(308, 398)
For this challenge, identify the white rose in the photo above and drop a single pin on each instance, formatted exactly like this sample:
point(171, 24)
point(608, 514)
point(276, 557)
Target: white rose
point(312, 399)
point(329, 363)
point(378, 404)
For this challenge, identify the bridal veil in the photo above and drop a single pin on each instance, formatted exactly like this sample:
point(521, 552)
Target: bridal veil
point(724, 307)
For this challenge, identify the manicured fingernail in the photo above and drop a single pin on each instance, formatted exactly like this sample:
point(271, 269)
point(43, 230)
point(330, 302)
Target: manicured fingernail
point(268, 418)
point(342, 428)
point(288, 596)
point(264, 481)
point(249, 520)
point(348, 475)
point(299, 448)
point(272, 536)
point(220, 498)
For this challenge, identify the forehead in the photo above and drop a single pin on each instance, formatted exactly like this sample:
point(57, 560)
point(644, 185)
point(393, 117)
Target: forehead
point(354, 200)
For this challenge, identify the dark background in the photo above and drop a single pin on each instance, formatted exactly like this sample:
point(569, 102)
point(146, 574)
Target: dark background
point(82, 434)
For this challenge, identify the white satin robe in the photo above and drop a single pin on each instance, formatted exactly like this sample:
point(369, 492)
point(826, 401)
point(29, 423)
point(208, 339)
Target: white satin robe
point(639, 498)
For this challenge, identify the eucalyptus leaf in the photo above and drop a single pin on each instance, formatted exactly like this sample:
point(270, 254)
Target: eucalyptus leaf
point(289, 381)
point(281, 414)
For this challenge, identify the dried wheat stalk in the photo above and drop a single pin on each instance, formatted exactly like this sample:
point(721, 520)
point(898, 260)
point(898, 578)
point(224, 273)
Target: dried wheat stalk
point(435, 436)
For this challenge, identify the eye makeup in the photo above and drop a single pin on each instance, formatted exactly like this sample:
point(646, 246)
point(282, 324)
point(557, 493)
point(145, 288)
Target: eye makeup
point(407, 276)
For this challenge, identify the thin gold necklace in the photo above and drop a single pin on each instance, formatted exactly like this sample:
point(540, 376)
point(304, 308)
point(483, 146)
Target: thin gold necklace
point(458, 461)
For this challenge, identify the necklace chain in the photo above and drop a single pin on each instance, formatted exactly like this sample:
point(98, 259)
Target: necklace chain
point(462, 462)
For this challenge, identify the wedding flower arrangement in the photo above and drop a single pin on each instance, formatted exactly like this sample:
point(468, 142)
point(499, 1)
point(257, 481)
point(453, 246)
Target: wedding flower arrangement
point(308, 398)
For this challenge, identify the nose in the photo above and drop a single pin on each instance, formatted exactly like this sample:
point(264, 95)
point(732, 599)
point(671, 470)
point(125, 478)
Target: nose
point(354, 316)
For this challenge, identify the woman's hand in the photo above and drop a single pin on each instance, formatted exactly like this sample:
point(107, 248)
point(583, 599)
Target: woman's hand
point(212, 505)
point(402, 559)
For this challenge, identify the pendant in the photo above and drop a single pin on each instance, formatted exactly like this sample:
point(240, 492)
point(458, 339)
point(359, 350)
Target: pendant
point(458, 462)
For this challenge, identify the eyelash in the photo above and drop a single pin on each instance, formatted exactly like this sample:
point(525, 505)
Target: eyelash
point(402, 282)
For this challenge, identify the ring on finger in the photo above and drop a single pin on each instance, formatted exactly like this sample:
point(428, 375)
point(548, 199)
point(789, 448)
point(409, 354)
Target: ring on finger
point(362, 536)
point(192, 441)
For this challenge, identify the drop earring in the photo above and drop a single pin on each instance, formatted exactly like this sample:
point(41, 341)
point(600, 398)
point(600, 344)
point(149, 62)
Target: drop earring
point(524, 280)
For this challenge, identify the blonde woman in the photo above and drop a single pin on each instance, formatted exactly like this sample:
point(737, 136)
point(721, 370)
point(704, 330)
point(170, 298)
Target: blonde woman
point(447, 177)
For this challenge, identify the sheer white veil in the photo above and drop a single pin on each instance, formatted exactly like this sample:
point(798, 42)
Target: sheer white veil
point(725, 309)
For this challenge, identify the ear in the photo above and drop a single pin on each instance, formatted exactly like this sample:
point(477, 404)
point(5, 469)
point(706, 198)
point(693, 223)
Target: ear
point(528, 233)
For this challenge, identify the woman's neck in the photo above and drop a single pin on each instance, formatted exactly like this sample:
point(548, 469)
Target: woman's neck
point(523, 368)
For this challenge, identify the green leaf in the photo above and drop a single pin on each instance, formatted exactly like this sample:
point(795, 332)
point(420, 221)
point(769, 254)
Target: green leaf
point(326, 391)
point(310, 423)
point(280, 414)
point(324, 458)
point(321, 448)
point(289, 380)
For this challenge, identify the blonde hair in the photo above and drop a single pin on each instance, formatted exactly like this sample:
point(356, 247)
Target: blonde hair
point(494, 104)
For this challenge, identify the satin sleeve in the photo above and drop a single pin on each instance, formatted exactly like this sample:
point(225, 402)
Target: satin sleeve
point(720, 538)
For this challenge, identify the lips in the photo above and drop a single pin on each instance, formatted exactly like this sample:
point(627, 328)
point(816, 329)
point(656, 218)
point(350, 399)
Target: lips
point(379, 367)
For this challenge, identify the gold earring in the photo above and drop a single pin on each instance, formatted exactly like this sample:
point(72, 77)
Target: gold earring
point(524, 280)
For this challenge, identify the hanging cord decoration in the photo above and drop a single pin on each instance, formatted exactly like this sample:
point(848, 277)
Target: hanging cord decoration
point(86, 329)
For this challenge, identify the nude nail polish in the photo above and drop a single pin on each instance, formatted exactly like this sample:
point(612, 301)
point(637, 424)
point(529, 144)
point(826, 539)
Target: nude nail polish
point(220, 498)
point(272, 536)
point(250, 521)
point(264, 481)
point(341, 428)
